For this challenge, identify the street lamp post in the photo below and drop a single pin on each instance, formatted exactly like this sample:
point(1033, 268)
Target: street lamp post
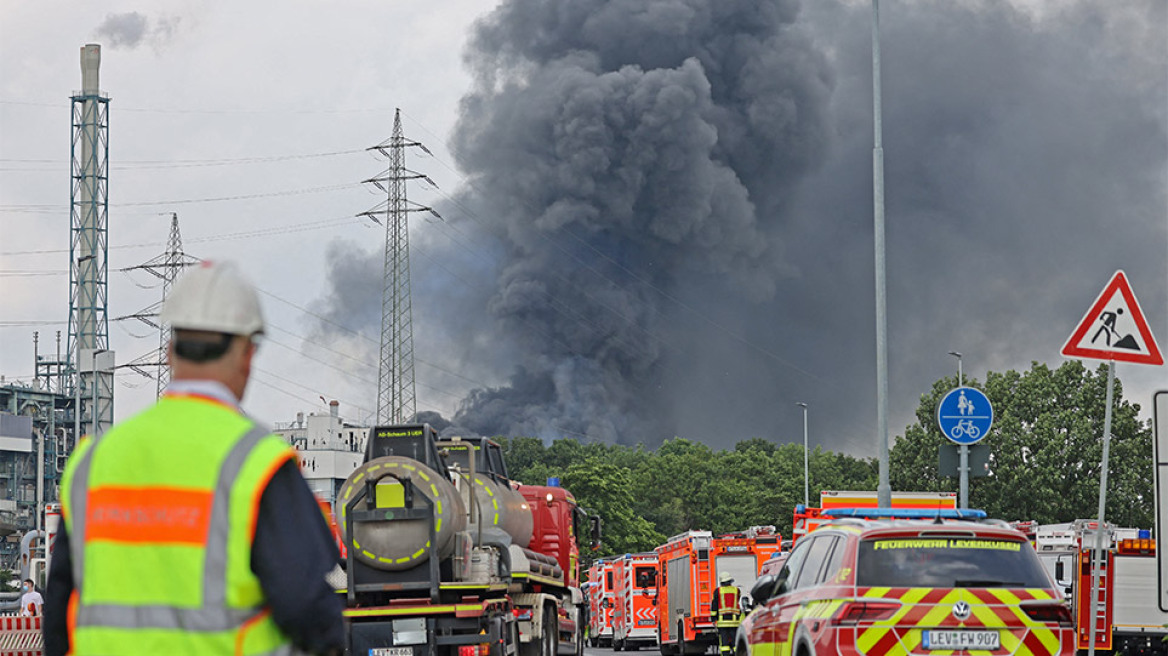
point(806, 479)
point(883, 487)
point(963, 465)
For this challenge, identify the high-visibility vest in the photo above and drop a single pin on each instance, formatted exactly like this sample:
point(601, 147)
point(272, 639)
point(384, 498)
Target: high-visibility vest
point(728, 610)
point(161, 513)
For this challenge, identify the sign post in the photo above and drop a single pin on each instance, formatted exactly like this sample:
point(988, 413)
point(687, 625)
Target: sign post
point(1114, 329)
point(965, 417)
point(1160, 426)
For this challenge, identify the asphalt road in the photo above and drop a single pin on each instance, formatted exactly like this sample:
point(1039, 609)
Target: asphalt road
point(601, 651)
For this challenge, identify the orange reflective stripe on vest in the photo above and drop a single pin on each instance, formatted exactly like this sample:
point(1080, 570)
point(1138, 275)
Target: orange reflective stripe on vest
point(157, 515)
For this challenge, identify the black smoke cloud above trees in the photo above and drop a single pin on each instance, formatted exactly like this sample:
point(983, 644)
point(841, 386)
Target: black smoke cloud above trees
point(621, 145)
point(676, 196)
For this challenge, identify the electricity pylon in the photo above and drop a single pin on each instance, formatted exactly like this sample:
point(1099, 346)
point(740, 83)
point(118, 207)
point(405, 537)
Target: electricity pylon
point(166, 267)
point(396, 396)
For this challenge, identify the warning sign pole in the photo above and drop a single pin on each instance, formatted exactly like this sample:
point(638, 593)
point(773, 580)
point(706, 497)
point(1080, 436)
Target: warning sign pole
point(1097, 555)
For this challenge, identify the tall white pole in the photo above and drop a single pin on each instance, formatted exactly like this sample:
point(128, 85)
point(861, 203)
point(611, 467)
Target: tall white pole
point(884, 489)
point(806, 478)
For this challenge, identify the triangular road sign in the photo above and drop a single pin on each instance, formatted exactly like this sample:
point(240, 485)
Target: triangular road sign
point(1115, 328)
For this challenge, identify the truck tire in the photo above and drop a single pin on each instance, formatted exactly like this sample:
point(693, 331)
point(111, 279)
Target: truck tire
point(580, 632)
point(617, 645)
point(551, 632)
point(681, 646)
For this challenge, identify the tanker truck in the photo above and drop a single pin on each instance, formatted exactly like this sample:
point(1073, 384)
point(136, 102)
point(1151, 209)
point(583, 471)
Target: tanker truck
point(446, 556)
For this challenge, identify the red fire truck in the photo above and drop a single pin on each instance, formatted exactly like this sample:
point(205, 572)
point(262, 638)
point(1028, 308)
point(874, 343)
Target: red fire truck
point(600, 603)
point(808, 519)
point(1128, 616)
point(688, 566)
point(634, 612)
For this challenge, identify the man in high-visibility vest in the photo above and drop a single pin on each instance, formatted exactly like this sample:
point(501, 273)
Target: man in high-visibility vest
point(727, 611)
point(188, 528)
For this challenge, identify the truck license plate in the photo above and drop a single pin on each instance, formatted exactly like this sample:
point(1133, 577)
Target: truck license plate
point(391, 651)
point(983, 640)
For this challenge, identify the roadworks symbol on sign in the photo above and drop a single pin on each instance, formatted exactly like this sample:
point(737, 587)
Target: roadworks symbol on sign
point(1115, 328)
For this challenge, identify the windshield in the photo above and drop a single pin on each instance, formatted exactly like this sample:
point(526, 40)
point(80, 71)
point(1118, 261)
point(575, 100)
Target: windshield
point(948, 562)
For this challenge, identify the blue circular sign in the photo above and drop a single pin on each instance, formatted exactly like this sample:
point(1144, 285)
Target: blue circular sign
point(965, 415)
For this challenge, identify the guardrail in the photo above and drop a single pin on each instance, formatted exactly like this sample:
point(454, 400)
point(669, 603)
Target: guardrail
point(21, 636)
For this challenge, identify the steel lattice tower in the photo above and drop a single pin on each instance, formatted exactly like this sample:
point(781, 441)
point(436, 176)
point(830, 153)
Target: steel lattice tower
point(396, 397)
point(166, 267)
point(88, 344)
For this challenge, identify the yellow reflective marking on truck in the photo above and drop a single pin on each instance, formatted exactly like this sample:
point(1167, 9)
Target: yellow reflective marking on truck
point(409, 467)
point(414, 610)
point(417, 553)
point(373, 468)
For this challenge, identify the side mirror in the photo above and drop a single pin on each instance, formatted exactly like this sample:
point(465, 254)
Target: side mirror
point(594, 524)
point(763, 588)
point(1059, 571)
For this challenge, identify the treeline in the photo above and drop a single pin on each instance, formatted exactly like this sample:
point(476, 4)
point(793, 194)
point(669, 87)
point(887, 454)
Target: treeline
point(1046, 450)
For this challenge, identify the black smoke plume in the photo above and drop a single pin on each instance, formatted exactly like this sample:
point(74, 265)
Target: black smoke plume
point(676, 197)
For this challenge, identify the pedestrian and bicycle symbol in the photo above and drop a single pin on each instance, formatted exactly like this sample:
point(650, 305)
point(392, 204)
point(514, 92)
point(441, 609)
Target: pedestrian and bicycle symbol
point(965, 415)
point(1115, 328)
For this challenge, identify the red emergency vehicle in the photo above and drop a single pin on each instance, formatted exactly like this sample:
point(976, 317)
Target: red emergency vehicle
point(688, 566)
point(808, 519)
point(600, 603)
point(634, 612)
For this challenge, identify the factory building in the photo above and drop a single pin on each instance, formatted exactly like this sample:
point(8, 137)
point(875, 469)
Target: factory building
point(329, 449)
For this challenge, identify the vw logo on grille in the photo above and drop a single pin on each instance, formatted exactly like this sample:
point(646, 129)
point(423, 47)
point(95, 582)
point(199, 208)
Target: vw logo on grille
point(961, 610)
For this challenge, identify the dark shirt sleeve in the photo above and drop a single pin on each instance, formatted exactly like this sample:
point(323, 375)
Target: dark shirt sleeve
point(58, 589)
point(291, 553)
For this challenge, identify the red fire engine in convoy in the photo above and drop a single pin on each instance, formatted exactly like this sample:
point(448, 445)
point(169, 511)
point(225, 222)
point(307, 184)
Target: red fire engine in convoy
point(600, 603)
point(1128, 616)
point(808, 519)
point(634, 611)
point(688, 566)
point(446, 556)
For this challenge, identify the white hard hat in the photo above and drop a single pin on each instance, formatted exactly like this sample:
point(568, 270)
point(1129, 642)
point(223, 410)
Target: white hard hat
point(726, 578)
point(214, 297)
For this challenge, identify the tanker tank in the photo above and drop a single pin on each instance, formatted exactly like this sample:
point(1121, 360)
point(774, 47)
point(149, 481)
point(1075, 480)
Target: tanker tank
point(404, 543)
point(500, 507)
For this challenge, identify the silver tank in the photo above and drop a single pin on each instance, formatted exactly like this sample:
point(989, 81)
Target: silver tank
point(402, 544)
point(501, 507)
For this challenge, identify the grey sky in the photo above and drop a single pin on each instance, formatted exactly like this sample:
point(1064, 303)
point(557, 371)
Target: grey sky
point(1025, 156)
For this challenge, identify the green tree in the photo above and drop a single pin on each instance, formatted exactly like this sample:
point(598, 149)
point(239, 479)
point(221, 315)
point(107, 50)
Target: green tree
point(1046, 448)
point(606, 489)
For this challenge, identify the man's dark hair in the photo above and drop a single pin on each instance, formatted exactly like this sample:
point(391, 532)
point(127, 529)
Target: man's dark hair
point(201, 346)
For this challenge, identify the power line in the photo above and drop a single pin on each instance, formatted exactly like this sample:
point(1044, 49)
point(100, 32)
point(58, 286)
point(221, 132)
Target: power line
point(263, 232)
point(187, 110)
point(152, 164)
point(40, 208)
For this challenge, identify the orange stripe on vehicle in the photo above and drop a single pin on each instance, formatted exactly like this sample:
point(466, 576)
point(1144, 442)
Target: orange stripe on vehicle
point(148, 515)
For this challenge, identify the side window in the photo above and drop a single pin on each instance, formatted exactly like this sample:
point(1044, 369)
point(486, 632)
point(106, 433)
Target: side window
point(816, 555)
point(608, 580)
point(836, 559)
point(794, 563)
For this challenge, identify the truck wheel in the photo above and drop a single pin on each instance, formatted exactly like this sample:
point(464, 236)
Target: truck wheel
point(617, 645)
point(681, 646)
point(580, 632)
point(551, 632)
